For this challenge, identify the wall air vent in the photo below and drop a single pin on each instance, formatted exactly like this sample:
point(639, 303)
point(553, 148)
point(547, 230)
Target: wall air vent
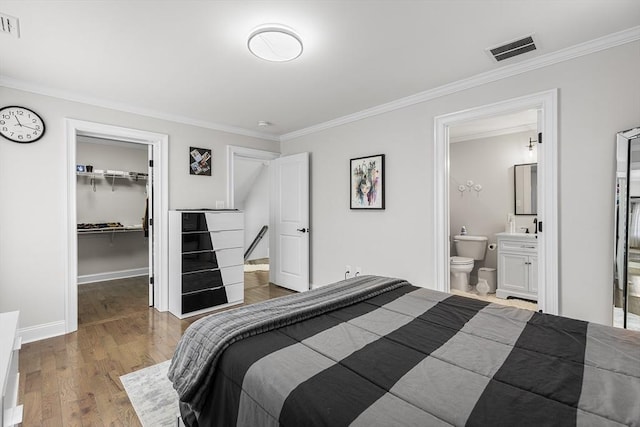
point(512, 48)
point(9, 25)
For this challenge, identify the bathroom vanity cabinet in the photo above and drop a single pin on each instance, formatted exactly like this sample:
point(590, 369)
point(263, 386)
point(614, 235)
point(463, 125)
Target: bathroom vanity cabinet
point(517, 266)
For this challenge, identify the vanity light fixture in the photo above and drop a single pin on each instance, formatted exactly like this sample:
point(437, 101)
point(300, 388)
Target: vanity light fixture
point(274, 42)
point(531, 146)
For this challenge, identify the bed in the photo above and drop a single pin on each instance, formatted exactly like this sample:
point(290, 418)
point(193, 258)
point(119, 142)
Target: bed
point(377, 351)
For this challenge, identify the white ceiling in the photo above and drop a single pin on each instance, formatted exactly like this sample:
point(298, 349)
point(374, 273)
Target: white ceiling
point(188, 61)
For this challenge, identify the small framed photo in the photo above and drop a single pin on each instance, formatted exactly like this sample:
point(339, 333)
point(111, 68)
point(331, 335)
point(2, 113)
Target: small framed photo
point(80, 168)
point(366, 175)
point(199, 161)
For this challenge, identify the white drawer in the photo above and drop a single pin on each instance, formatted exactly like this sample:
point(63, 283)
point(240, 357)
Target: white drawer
point(235, 292)
point(227, 239)
point(230, 257)
point(224, 221)
point(231, 275)
point(518, 245)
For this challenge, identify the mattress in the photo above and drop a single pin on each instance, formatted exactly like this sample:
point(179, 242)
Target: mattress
point(375, 351)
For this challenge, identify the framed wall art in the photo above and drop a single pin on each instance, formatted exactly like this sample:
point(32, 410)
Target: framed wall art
point(367, 182)
point(199, 161)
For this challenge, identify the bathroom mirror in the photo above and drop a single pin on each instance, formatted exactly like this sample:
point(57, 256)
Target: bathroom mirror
point(626, 256)
point(526, 189)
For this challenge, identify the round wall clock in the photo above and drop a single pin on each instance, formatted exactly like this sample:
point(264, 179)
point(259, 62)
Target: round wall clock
point(20, 124)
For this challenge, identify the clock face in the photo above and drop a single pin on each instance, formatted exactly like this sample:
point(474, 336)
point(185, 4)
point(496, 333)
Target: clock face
point(20, 124)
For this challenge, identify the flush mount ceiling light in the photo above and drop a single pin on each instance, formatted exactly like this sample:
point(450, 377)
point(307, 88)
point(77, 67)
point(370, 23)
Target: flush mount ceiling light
point(275, 43)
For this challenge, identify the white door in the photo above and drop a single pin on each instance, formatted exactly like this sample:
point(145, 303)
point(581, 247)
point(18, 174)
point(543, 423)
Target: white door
point(290, 221)
point(149, 219)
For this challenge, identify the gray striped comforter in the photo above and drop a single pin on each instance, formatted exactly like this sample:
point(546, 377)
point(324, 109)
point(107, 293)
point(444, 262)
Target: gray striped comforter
point(376, 351)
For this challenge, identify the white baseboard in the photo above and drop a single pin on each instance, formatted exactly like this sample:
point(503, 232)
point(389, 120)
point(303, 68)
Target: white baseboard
point(112, 275)
point(41, 332)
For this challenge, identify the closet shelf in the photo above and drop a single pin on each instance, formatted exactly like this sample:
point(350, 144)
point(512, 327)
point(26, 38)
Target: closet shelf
point(100, 230)
point(131, 176)
point(135, 176)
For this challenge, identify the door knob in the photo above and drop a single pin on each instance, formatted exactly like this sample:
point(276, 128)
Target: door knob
point(303, 230)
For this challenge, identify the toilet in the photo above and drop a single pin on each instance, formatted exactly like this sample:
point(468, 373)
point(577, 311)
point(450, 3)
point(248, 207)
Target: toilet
point(460, 268)
point(469, 249)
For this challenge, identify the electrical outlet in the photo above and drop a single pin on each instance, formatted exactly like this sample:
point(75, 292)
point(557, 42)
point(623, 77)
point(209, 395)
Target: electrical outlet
point(219, 204)
point(358, 271)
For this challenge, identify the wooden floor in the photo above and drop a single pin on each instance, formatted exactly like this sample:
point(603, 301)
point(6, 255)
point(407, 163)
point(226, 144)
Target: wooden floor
point(74, 380)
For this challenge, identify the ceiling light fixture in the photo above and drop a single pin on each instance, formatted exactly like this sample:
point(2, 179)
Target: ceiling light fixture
point(275, 43)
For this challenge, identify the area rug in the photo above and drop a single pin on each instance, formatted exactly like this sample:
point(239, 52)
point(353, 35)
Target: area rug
point(152, 395)
point(256, 267)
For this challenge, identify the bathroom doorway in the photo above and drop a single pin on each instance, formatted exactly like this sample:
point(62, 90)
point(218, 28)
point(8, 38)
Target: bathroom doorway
point(488, 142)
point(483, 156)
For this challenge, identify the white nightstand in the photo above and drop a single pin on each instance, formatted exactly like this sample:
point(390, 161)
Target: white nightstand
point(10, 345)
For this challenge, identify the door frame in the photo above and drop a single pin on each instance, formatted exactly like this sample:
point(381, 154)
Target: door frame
point(234, 152)
point(547, 104)
point(160, 145)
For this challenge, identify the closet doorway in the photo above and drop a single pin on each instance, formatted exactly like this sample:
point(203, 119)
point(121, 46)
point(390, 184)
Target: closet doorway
point(117, 208)
point(113, 187)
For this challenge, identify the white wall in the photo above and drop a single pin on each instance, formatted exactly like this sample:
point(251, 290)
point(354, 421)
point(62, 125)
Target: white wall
point(599, 95)
point(106, 254)
point(123, 200)
point(33, 210)
point(488, 162)
point(256, 215)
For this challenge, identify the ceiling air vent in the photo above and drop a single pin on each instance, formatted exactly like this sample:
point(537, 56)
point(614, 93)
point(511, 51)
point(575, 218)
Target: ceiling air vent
point(512, 48)
point(9, 25)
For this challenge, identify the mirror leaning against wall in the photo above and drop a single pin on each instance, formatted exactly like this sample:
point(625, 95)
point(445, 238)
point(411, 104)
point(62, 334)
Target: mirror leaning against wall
point(626, 277)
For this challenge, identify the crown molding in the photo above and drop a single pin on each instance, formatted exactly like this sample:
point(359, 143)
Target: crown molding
point(495, 132)
point(98, 102)
point(606, 42)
